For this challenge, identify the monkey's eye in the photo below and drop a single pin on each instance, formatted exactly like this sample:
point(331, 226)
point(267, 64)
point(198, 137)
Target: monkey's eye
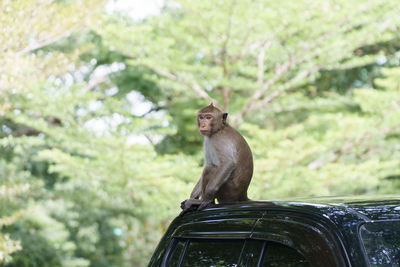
point(205, 117)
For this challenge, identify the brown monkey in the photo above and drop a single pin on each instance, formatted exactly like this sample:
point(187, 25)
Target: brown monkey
point(228, 164)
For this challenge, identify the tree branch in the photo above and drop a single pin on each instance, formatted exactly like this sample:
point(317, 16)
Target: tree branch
point(260, 62)
point(226, 95)
point(44, 43)
point(280, 70)
point(94, 82)
point(266, 100)
point(339, 152)
point(153, 109)
point(244, 42)
point(224, 49)
point(226, 91)
point(255, 45)
point(194, 86)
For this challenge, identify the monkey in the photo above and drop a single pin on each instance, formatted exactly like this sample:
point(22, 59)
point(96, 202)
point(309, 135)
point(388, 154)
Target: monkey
point(228, 166)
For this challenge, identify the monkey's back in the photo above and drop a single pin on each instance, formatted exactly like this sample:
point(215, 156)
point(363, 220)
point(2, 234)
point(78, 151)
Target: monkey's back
point(235, 189)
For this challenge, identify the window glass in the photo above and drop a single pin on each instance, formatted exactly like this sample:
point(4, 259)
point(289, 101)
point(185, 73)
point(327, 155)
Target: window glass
point(252, 252)
point(278, 255)
point(176, 253)
point(382, 242)
point(215, 253)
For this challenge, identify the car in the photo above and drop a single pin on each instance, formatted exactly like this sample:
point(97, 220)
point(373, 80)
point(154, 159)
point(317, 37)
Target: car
point(348, 231)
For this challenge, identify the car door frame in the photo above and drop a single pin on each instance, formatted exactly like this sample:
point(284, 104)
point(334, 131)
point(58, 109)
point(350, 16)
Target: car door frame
point(313, 236)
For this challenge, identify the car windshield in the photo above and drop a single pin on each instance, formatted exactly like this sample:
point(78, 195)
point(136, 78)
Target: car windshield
point(382, 242)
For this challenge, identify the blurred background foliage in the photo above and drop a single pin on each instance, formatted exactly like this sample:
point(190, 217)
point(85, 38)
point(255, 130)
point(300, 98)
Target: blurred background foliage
point(98, 136)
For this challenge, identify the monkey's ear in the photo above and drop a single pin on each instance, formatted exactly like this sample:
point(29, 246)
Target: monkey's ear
point(224, 116)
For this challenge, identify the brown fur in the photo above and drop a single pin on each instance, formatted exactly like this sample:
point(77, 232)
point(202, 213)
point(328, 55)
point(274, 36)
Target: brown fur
point(228, 164)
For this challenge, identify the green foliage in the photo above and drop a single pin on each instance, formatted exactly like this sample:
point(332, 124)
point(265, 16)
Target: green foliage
point(213, 51)
point(98, 138)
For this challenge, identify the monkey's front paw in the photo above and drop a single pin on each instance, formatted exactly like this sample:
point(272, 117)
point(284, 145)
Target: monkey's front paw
point(183, 204)
point(188, 205)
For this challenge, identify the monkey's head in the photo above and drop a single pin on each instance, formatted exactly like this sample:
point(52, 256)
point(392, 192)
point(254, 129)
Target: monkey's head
point(210, 120)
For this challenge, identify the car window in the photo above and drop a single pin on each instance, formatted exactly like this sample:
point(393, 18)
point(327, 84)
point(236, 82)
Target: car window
point(382, 242)
point(252, 252)
point(227, 253)
point(217, 253)
point(277, 255)
point(209, 252)
point(176, 253)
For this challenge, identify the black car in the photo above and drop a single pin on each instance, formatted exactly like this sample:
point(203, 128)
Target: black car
point(309, 232)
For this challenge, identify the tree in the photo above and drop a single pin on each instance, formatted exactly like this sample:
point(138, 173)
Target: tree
point(68, 136)
point(212, 51)
point(98, 137)
point(348, 148)
point(22, 69)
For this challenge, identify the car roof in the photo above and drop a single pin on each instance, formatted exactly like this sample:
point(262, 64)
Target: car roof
point(362, 208)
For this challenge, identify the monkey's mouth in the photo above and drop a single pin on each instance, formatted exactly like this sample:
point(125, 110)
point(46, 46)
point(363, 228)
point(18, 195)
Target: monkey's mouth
point(204, 132)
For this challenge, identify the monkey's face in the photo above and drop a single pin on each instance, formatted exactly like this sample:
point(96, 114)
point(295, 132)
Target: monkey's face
point(210, 120)
point(205, 123)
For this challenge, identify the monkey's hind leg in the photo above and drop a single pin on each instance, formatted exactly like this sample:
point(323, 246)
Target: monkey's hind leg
point(206, 204)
